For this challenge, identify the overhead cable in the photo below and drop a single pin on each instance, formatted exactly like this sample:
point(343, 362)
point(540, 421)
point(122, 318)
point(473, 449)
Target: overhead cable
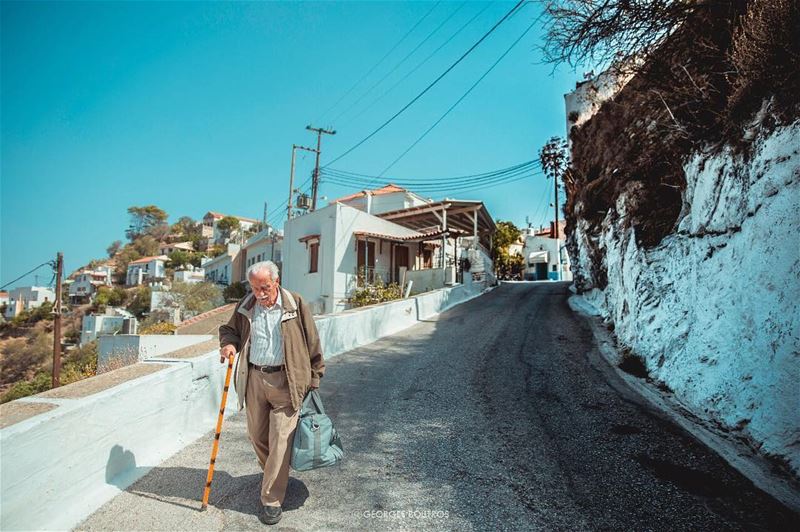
point(380, 61)
point(393, 70)
point(463, 96)
point(431, 85)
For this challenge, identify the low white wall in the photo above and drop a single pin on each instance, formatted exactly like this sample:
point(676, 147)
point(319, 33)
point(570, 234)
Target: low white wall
point(60, 466)
point(353, 328)
point(425, 280)
point(125, 349)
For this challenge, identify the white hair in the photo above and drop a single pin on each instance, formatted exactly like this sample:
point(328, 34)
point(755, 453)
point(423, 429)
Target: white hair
point(267, 265)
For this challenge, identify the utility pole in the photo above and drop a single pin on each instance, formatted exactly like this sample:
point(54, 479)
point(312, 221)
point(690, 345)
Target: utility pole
point(57, 323)
point(295, 147)
point(315, 181)
point(555, 230)
point(555, 226)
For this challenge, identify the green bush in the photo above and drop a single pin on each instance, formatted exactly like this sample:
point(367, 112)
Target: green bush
point(235, 291)
point(76, 365)
point(40, 383)
point(162, 327)
point(108, 296)
point(376, 293)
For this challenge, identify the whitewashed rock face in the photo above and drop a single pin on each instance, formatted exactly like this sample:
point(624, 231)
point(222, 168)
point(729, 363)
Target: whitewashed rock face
point(714, 310)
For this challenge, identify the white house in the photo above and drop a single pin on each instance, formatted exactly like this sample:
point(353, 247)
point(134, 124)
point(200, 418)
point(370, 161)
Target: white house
point(211, 219)
point(192, 275)
point(26, 298)
point(166, 248)
point(147, 268)
point(546, 257)
point(583, 102)
point(226, 269)
point(115, 320)
point(328, 253)
point(86, 283)
point(265, 245)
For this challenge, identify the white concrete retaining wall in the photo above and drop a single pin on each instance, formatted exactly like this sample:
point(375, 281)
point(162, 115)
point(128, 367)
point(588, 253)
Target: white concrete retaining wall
point(60, 466)
point(125, 349)
point(424, 280)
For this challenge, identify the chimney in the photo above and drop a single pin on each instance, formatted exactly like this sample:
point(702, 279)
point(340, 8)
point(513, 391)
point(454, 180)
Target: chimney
point(369, 201)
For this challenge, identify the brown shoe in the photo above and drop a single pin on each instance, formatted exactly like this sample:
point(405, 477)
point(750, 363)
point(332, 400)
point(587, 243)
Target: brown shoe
point(271, 515)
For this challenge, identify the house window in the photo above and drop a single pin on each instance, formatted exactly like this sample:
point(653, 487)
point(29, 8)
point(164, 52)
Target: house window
point(313, 257)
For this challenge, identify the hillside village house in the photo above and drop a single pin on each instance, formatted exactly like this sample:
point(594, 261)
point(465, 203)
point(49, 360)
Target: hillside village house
point(213, 234)
point(389, 235)
point(265, 245)
point(165, 248)
point(3, 297)
point(191, 275)
point(26, 298)
point(231, 267)
point(86, 283)
point(545, 256)
point(226, 268)
point(147, 268)
point(114, 320)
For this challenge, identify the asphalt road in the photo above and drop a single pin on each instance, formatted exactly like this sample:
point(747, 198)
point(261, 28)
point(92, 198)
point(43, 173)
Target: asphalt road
point(499, 414)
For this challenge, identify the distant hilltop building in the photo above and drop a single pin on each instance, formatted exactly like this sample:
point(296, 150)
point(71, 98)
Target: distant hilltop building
point(212, 232)
point(146, 269)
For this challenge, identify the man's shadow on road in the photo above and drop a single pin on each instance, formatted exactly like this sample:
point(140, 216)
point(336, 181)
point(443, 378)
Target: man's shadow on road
point(183, 486)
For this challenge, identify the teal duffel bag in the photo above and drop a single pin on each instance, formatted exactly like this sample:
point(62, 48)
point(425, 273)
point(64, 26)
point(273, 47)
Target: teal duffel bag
point(316, 443)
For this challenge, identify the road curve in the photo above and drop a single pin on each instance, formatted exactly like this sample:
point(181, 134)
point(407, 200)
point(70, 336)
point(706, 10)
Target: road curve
point(498, 414)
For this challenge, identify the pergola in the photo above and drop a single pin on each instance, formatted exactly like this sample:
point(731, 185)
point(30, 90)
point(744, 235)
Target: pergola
point(468, 218)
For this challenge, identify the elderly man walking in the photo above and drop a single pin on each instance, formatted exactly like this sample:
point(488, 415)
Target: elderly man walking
point(280, 360)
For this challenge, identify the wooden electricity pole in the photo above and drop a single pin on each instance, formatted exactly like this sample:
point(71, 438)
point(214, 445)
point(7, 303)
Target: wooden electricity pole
point(555, 226)
point(57, 322)
point(315, 182)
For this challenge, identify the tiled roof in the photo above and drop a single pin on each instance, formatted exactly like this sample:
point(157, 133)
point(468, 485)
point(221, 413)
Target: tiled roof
point(387, 189)
point(408, 238)
point(144, 260)
point(218, 215)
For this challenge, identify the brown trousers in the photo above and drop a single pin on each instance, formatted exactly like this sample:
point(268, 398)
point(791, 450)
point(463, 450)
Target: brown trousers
point(271, 421)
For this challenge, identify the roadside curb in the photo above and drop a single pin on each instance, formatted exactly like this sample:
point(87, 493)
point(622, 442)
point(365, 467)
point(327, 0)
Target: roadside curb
point(753, 466)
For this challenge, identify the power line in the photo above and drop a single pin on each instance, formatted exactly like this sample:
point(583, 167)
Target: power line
point(440, 185)
point(455, 188)
point(50, 263)
point(419, 139)
point(432, 84)
point(347, 174)
point(445, 43)
point(393, 70)
point(376, 65)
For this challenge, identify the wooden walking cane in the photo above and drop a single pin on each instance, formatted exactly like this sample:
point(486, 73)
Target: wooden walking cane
point(215, 447)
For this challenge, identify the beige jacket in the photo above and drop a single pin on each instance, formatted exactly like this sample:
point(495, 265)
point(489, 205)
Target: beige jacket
point(302, 352)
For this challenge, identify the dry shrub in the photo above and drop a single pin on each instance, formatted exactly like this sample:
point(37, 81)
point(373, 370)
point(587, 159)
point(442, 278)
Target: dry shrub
point(765, 55)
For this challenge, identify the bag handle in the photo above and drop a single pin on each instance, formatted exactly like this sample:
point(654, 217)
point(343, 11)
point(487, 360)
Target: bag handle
point(312, 403)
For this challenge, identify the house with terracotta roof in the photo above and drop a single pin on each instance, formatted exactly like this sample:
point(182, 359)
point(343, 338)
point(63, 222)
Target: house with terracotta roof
point(386, 198)
point(546, 256)
point(146, 269)
point(386, 235)
point(86, 283)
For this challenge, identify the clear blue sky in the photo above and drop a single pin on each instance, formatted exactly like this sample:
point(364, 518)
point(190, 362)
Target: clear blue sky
point(194, 107)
